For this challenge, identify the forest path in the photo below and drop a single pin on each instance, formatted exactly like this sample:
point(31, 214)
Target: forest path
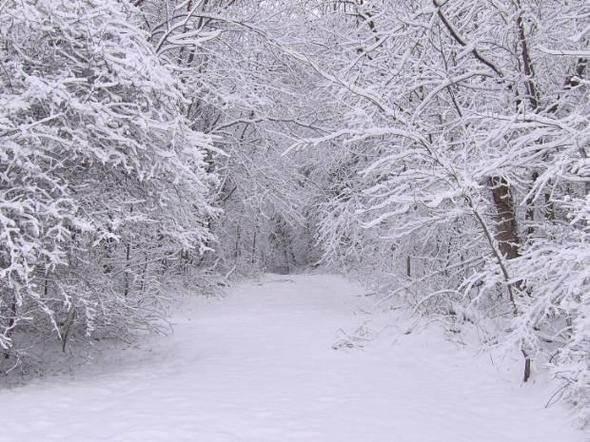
point(259, 366)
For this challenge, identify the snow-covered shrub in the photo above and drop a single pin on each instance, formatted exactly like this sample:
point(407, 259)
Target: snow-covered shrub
point(102, 181)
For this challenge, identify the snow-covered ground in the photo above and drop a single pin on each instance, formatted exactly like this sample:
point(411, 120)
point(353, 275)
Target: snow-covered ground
point(259, 366)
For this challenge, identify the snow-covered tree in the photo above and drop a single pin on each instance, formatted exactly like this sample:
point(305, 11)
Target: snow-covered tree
point(245, 91)
point(463, 131)
point(102, 180)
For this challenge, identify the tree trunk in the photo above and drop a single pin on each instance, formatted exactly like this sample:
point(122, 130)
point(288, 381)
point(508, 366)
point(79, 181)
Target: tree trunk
point(506, 228)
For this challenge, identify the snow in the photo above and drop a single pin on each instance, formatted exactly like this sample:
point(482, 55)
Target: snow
point(259, 365)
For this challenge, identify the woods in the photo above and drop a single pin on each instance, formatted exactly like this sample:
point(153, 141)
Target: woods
point(437, 150)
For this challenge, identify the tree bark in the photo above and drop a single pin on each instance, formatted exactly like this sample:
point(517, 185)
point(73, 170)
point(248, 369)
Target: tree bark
point(506, 228)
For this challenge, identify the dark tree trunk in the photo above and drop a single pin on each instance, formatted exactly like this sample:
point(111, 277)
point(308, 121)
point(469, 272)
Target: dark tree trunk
point(506, 228)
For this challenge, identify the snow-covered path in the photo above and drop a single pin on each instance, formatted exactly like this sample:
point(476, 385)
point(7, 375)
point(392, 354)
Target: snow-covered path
point(259, 366)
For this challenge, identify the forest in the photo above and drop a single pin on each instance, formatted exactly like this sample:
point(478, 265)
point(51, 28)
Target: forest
point(436, 150)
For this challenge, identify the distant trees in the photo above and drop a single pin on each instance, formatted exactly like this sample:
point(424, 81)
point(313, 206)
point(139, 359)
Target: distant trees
point(244, 90)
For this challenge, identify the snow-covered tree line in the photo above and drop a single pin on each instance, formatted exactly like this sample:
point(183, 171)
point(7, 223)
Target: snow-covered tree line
point(140, 141)
point(457, 168)
point(438, 148)
point(104, 184)
point(244, 90)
